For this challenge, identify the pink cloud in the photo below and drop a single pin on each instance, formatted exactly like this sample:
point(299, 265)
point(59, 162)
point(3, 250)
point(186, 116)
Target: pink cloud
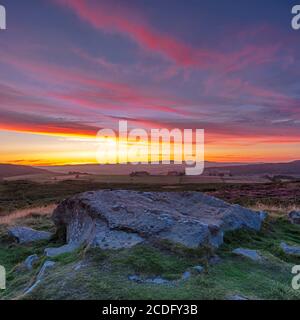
point(119, 20)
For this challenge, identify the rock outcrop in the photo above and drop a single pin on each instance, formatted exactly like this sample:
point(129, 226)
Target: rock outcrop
point(119, 219)
point(294, 217)
point(26, 235)
point(248, 253)
point(290, 250)
point(54, 252)
point(30, 261)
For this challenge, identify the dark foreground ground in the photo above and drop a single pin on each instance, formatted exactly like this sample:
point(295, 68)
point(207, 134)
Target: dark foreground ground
point(98, 274)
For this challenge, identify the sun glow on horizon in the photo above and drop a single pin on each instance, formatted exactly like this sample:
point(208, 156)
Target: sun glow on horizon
point(40, 149)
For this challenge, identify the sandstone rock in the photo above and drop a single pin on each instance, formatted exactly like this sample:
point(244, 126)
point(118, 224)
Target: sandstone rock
point(294, 217)
point(29, 262)
point(247, 253)
point(25, 235)
point(121, 218)
point(291, 250)
point(68, 248)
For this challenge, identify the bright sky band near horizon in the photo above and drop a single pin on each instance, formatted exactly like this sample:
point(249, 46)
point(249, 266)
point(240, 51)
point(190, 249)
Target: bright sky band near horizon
point(71, 67)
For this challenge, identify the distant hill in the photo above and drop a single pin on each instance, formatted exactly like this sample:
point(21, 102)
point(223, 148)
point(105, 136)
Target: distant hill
point(126, 169)
point(11, 170)
point(264, 168)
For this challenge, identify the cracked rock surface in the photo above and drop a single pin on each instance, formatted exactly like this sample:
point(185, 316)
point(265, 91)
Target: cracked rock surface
point(122, 218)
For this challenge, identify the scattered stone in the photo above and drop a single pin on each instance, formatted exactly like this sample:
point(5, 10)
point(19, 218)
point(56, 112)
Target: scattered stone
point(247, 253)
point(186, 275)
point(135, 278)
point(199, 269)
point(290, 250)
point(157, 280)
point(294, 217)
point(113, 219)
point(47, 265)
point(26, 235)
point(30, 261)
point(237, 297)
point(54, 252)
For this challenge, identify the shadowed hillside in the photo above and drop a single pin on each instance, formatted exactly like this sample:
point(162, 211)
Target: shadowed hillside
point(10, 170)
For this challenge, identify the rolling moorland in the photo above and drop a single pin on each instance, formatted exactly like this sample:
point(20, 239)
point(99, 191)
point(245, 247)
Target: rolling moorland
point(93, 273)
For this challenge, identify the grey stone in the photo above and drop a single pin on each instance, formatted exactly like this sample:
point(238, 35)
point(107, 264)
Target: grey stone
point(29, 262)
point(186, 275)
point(294, 217)
point(135, 278)
point(199, 269)
point(47, 265)
point(26, 235)
point(290, 250)
point(68, 248)
point(157, 280)
point(123, 218)
point(247, 253)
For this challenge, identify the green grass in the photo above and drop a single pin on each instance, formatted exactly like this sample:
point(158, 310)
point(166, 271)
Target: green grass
point(104, 274)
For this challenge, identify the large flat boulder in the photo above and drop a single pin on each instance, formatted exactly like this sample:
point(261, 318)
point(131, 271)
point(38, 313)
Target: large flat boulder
point(116, 219)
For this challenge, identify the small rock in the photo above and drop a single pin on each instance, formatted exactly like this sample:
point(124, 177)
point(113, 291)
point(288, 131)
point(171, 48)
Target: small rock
point(247, 253)
point(68, 248)
point(199, 269)
point(26, 235)
point(157, 280)
point(135, 278)
point(294, 217)
point(29, 262)
point(237, 297)
point(47, 265)
point(290, 250)
point(186, 275)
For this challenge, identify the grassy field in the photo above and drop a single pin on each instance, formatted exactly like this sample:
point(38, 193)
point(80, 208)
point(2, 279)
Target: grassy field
point(98, 274)
point(27, 194)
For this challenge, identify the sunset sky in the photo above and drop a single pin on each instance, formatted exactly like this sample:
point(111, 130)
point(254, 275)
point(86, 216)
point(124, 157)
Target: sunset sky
point(71, 67)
